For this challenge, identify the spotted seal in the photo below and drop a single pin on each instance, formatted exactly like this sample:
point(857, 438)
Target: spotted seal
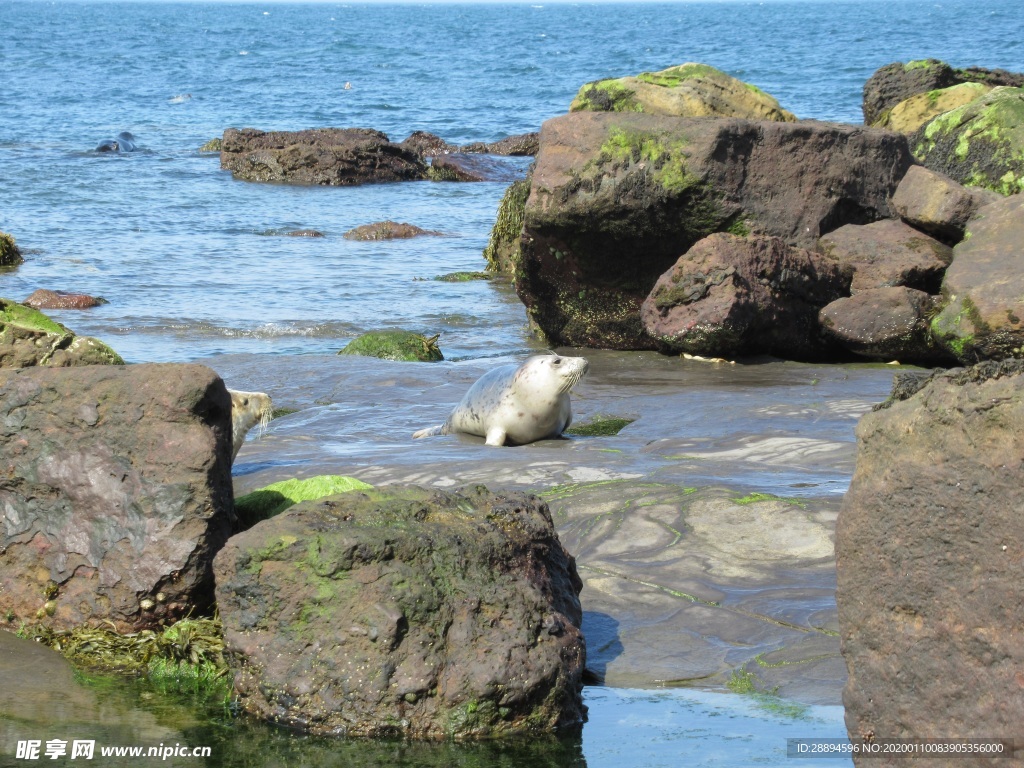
point(514, 404)
point(247, 410)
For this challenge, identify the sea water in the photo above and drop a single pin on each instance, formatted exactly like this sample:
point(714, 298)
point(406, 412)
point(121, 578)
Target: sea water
point(196, 266)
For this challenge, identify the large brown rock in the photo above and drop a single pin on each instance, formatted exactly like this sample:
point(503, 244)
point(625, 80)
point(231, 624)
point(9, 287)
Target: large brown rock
point(686, 90)
point(888, 253)
point(406, 612)
point(929, 558)
point(617, 197)
point(115, 487)
point(730, 296)
point(885, 324)
point(984, 287)
point(934, 203)
point(324, 156)
point(30, 338)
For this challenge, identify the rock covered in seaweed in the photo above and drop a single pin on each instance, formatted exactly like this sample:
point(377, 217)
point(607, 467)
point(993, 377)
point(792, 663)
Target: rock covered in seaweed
point(29, 338)
point(686, 90)
point(388, 230)
point(615, 198)
point(397, 344)
point(406, 612)
point(10, 254)
point(908, 116)
point(115, 483)
point(928, 552)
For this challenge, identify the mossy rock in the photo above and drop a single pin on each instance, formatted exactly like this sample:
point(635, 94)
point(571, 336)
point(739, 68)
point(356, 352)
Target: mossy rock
point(463, 277)
point(10, 256)
point(404, 346)
point(29, 338)
point(687, 90)
point(213, 145)
point(980, 143)
point(600, 426)
point(502, 251)
point(908, 116)
point(275, 498)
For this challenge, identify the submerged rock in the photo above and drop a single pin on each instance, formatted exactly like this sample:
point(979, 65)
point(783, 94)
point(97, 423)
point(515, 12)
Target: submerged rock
point(47, 299)
point(29, 338)
point(687, 90)
point(928, 547)
point(324, 156)
point(616, 198)
point(730, 296)
point(388, 230)
point(116, 486)
point(980, 144)
point(984, 287)
point(395, 345)
point(406, 612)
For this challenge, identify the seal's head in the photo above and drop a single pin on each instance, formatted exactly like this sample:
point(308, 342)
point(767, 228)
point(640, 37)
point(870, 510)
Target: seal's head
point(551, 372)
point(247, 410)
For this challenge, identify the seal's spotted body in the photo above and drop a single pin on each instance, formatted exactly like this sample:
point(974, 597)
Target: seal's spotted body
point(514, 405)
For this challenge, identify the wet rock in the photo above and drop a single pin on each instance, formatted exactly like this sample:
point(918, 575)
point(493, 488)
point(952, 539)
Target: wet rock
point(503, 245)
point(730, 296)
point(888, 253)
point(886, 324)
point(46, 299)
point(323, 156)
point(395, 344)
point(304, 233)
point(616, 198)
point(388, 230)
point(406, 612)
point(460, 166)
point(908, 116)
point(30, 338)
point(897, 82)
point(10, 255)
point(116, 486)
point(928, 545)
point(687, 90)
point(934, 203)
point(984, 286)
point(427, 144)
point(213, 145)
point(980, 144)
point(522, 145)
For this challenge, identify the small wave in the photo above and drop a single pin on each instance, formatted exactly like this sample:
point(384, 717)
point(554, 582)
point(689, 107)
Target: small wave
point(272, 330)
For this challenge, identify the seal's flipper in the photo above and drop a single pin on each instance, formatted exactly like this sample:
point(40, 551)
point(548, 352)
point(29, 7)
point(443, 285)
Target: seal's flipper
point(495, 436)
point(429, 432)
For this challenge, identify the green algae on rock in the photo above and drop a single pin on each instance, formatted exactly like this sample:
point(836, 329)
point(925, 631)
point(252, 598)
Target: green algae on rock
point(213, 145)
point(29, 338)
point(687, 90)
point(908, 116)
point(980, 143)
point(463, 277)
point(399, 345)
point(600, 425)
point(502, 251)
point(440, 615)
point(275, 498)
point(10, 255)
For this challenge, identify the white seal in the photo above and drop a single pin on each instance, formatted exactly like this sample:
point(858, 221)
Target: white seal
point(247, 410)
point(515, 405)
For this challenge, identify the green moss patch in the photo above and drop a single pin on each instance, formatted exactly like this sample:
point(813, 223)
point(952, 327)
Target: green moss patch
point(400, 345)
point(18, 314)
point(605, 96)
point(462, 277)
point(275, 498)
point(600, 426)
point(673, 76)
point(667, 157)
point(213, 145)
point(753, 498)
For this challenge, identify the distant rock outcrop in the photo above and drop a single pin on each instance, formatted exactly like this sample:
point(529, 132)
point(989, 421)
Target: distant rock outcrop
point(405, 612)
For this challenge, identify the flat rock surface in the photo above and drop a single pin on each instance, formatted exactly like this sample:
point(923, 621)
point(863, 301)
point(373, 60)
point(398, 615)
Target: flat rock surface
point(725, 430)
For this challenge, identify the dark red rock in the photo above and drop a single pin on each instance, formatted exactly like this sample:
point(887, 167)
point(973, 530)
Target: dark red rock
point(115, 483)
point(934, 203)
point(928, 561)
point(403, 611)
point(46, 299)
point(324, 156)
point(886, 324)
point(730, 296)
point(888, 253)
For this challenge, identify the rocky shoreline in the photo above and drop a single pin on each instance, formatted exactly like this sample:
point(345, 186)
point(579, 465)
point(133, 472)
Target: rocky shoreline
point(681, 211)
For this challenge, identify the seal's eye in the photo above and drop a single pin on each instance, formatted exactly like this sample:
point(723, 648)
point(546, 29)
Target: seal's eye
point(557, 361)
